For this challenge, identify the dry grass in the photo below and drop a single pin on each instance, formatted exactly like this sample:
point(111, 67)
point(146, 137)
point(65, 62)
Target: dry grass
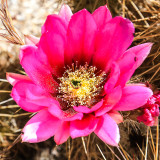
point(137, 141)
point(11, 36)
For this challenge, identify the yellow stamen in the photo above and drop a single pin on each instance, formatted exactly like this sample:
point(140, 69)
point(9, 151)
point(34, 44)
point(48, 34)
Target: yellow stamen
point(80, 86)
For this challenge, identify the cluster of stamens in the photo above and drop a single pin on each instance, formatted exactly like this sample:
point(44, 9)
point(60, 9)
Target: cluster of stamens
point(80, 85)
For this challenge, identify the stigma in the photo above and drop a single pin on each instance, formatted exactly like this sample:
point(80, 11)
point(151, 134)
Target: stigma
point(80, 85)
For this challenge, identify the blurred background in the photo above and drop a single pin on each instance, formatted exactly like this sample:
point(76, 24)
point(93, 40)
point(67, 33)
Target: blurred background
point(137, 140)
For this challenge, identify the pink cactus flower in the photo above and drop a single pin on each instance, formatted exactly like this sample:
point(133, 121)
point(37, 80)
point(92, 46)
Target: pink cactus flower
point(76, 76)
point(150, 111)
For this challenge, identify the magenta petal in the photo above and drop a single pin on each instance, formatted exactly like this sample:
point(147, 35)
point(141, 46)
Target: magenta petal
point(109, 101)
point(104, 109)
point(114, 96)
point(112, 41)
point(13, 78)
point(30, 97)
point(65, 12)
point(141, 52)
point(54, 23)
point(131, 60)
point(40, 127)
point(62, 133)
point(31, 40)
point(68, 115)
point(133, 97)
point(112, 78)
point(85, 109)
point(83, 127)
point(55, 109)
point(116, 116)
point(53, 42)
point(54, 53)
point(80, 38)
point(37, 68)
point(101, 16)
point(107, 130)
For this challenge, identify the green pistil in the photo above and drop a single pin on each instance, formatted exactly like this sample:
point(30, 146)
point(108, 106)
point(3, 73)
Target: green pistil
point(76, 83)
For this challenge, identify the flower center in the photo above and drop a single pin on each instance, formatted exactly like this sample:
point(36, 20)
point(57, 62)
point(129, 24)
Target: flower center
point(80, 85)
point(76, 83)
